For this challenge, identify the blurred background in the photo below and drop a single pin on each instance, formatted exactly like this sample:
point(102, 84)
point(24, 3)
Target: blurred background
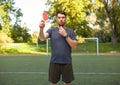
point(24, 58)
point(19, 24)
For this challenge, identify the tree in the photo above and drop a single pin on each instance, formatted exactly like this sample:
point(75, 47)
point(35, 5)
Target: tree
point(10, 21)
point(20, 34)
point(5, 9)
point(0, 27)
point(110, 11)
point(112, 8)
point(76, 11)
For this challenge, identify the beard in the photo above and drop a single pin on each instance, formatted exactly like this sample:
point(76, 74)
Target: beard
point(61, 25)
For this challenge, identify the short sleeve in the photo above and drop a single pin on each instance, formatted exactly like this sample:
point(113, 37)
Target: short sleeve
point(72, 35)
point(49, 31)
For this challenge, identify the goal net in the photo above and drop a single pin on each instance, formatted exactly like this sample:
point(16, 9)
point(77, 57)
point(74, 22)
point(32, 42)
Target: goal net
point(86, 46)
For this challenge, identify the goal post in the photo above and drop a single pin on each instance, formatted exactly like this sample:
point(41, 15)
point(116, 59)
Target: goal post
point(94, 43)
point(86, 46)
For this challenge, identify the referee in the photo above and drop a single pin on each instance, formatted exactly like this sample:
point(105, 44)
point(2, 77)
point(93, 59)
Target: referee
point(62, 41)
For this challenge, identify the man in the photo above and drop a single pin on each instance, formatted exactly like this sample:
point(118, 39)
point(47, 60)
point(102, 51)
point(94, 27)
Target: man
point(62, 40)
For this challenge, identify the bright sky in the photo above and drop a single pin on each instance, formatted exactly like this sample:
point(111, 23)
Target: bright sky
point(32, 12)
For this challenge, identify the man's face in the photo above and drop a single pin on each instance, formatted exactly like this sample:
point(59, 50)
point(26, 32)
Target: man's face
point(61, 19)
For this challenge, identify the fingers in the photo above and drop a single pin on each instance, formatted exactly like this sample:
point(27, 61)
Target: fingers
point(42, 20)
point(62, 31)
point(42, 24)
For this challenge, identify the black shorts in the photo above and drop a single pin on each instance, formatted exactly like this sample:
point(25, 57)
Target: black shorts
point(56, 71)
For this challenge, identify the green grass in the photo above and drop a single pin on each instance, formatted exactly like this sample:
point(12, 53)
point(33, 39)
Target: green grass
point(108, 47)
point(91, 48)
point(23, 48)
point(89, 70)
point(84, 48)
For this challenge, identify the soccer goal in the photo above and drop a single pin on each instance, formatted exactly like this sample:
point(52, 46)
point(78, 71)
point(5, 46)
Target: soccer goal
point(86, 46)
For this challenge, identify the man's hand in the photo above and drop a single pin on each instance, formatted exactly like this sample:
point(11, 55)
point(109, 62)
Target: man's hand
point(42, 24)
point(62, 31)
point(41, 34)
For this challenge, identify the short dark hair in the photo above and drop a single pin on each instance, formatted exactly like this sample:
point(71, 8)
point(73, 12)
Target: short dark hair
point(60, 12)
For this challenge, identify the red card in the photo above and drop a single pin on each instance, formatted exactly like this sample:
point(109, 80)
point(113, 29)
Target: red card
point(45, 16)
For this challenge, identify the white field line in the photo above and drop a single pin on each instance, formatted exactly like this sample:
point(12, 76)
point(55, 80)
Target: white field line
point(76, 73)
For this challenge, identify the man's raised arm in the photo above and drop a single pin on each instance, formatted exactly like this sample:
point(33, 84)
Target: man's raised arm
point(42, 35)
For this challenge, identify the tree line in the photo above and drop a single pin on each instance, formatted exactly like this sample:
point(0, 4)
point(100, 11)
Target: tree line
point(10, 24)
point(88, 18)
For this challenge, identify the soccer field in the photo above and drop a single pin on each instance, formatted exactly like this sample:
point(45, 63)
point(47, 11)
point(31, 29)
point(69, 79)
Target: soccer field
point(33, 70)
